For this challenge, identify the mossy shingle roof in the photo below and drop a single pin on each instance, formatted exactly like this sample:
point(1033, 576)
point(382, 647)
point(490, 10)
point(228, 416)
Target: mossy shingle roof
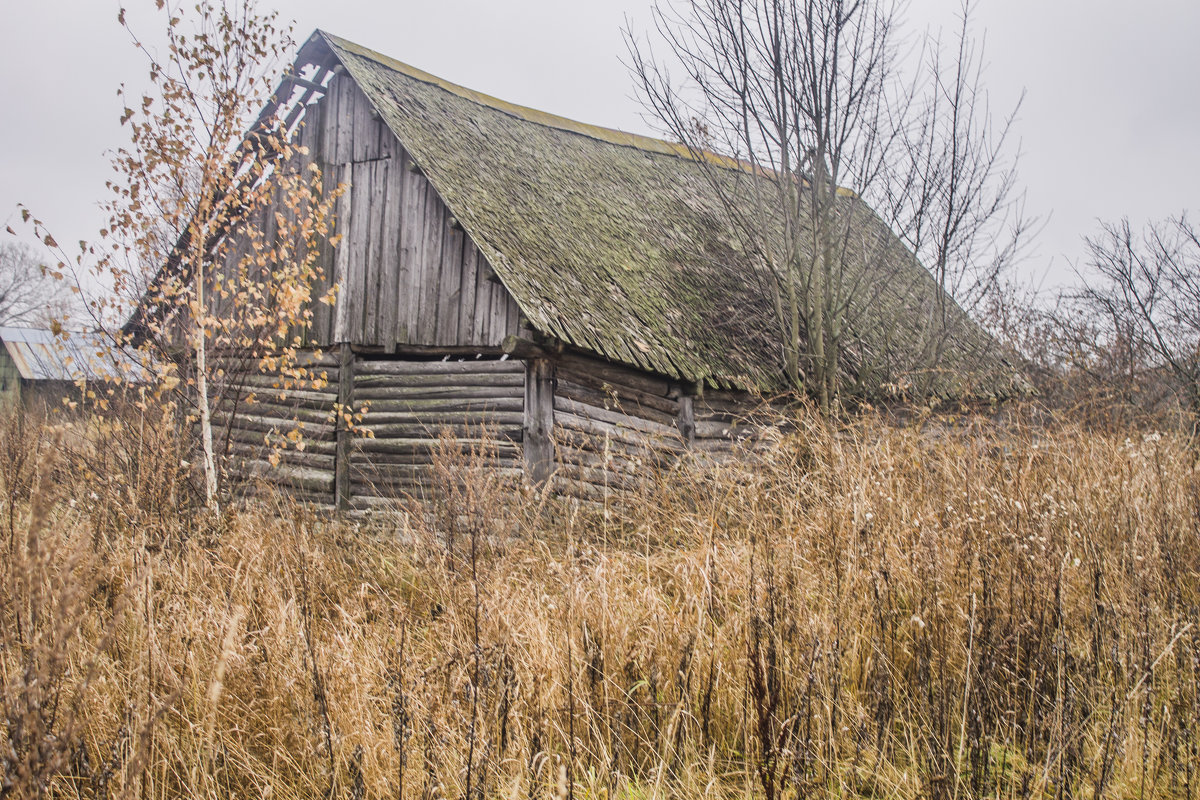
point(616, 243)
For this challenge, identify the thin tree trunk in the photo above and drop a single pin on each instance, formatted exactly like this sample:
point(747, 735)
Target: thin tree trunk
point(206, 438)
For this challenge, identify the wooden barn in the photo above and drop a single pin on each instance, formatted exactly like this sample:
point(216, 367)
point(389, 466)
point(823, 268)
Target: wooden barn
point(570, 290)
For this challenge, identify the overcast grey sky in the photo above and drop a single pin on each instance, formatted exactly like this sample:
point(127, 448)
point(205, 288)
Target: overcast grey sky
point(1108, 127)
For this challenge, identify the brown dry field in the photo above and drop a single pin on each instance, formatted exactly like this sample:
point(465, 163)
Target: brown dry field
point(932, 611)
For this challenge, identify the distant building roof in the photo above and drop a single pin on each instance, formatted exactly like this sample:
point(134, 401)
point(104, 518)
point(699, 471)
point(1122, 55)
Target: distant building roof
point(41, 355)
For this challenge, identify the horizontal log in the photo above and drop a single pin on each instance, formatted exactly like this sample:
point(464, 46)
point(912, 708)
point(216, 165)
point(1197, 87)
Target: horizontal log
point(584, 491)
point(287, 457)
point(705, 410)
point(418, 469)
point(313, 480)
point(326, 375)
point(392, 443)
point(383, 486)
point(309, 358)
point(259, 408)
point(715, 446)
point(735, 397)
point(267, 389)
point(385, 451)
point(309, 431)
point(250, 489)
point(448, 405)
point(308, 402)
point(518, 347)
point(615, 417)
point(454, 351)
point(369, 502)
point(256, 438)
point(513, 390)
point(640, 402)
point(571, 425)
point(503, 382)
point(621, 463)
point(587, 370)
point(434, 420)
point(722, 419)
point(453, 367)
point(368, 488)
point(302, 358)
point(706, 429)
point(626, 396)
point(567, 437)
point(237, 380)
point(600, 477)
point(416, 430)
point(267, 424)
point(370, 463)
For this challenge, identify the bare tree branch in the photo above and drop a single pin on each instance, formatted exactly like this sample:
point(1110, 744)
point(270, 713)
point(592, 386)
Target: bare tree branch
point(805, 97)
point(29, 294)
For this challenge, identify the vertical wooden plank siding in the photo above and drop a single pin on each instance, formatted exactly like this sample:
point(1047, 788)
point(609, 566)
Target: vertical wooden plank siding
point(372, 329)
point(341, 265)
point(449, 295)
point(406, 273)
point(466, 297)
point(393, 269)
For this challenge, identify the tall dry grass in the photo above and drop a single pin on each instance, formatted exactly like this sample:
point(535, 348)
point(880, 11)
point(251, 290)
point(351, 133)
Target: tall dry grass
point(895, 613)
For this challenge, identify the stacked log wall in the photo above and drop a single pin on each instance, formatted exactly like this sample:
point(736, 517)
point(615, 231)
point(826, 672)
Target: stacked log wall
point(611, 426)
point(721, 420)
point(254, 414)
point(418, 409)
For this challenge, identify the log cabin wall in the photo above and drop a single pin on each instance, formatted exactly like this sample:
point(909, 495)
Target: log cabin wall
point(720, 420)
point(420, 408)
point(612, 424)
point(256, 411)
point(417, 408)
point(406, 271)
point(605, 426)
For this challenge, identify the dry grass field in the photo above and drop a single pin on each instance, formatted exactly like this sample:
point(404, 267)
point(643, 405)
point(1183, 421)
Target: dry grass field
point(946, 612)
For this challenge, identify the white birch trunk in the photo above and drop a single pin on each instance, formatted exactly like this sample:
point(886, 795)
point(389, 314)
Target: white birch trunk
point(206, 438)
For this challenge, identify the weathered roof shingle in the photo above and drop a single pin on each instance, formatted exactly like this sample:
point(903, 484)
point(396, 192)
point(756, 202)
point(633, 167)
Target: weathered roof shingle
point(618, 244)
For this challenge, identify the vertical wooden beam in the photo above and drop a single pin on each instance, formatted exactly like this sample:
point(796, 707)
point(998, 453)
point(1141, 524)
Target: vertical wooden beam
point(539, 419)
point(341, 261)
point(687, 419)
point(341, 458)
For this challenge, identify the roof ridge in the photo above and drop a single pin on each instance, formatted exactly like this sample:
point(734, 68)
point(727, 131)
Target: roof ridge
point(547, 119)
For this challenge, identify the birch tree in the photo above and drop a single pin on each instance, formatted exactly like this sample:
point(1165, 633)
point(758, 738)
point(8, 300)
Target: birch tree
point(193, 183)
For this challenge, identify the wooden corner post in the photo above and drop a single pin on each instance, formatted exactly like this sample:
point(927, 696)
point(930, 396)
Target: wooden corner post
point(341, 458)
point(539, 419)
point(687, 419)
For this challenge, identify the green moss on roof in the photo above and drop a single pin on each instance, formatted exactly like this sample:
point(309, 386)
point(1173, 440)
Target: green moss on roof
point(613, 242)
